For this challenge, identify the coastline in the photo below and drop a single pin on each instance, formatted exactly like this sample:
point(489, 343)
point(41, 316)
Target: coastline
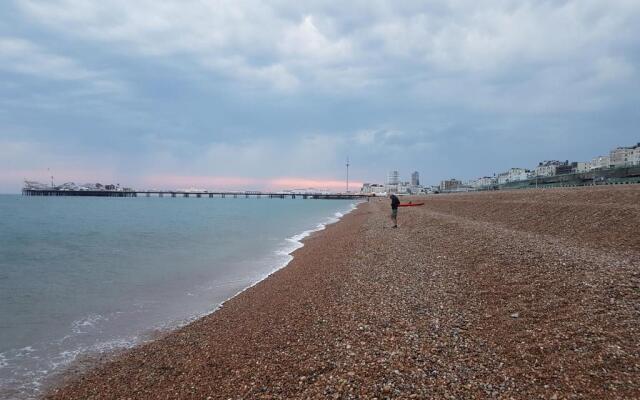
point(298, 242)
point(90, 360)
point(457, 302)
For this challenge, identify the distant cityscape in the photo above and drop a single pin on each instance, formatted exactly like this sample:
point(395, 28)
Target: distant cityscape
point(621, 165)
point(599, 170)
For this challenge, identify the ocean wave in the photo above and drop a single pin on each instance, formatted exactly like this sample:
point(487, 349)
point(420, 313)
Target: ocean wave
point(87, 324)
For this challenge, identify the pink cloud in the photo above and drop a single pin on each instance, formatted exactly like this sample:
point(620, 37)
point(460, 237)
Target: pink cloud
point(290, 183)
point(14, 179)
point(242, 183)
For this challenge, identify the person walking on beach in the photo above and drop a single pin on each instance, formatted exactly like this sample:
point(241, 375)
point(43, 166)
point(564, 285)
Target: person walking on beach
point(395, 202)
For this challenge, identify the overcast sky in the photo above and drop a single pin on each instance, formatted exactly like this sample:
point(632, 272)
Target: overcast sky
point(257, 94)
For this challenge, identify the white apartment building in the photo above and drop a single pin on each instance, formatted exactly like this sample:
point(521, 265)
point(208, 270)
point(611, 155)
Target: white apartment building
point(503, 178)
point(623, 156)
point(518, 174)
point(393, 178)
point(403, 188)
point(547, 168)
point(583, 166)
point(513, 175)
point(619, 157)
point(600, 162)
point(450, 185)
point(373, 188)
point(635, 157)
point(482, 182)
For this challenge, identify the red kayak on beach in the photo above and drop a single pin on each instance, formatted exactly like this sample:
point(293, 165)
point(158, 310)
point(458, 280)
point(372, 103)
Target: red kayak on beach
point(410, 204)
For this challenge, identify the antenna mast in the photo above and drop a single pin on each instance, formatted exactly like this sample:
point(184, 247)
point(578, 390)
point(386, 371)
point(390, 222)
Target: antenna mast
point(347, 174)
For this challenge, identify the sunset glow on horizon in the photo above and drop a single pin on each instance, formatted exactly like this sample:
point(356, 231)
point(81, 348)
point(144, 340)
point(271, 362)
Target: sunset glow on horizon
point(243, 183)
point(172, 181)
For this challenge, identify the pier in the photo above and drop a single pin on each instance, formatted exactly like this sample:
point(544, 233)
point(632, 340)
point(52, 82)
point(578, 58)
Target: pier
point(197, 194)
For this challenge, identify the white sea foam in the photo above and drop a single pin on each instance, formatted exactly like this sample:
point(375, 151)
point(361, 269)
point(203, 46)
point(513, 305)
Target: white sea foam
point(26, 350)
point(87, 324)
point(291, 244)
point(23, 370)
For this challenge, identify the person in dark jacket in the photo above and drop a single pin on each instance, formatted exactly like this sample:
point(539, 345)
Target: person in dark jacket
point(395, 202)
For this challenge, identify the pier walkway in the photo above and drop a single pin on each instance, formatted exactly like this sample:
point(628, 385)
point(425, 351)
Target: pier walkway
point(197, 194)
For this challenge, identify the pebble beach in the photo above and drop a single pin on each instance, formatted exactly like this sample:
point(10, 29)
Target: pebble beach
point(510, 294)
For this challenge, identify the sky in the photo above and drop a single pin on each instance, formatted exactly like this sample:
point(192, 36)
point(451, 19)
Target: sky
point(245, 94)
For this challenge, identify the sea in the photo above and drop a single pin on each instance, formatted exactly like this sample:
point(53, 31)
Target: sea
point(80, 276)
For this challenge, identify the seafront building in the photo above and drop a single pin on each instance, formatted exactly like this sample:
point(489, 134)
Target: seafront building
point(620, 157)
point(517, 174)
point(625, 156)
point(403, 188)
point(503, 178)
point(394, 184)
point(605, 166)
point(512, 175)
point(450, 185)
point(566, 168)
point(547, 168)
point(484, 182)
point(415, 178)
point(582, 167)
point(373, 188)
point(635, 157)
point(600, 162)
point(393, 178)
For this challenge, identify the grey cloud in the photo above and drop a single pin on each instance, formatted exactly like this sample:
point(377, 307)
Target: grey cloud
point(447, 86)
point(314, 41)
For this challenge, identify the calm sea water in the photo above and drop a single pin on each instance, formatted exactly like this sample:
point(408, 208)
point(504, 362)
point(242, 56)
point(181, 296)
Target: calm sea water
point(84, 275)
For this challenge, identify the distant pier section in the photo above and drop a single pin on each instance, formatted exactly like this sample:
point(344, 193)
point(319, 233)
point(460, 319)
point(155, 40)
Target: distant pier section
point(37, 189)
point(172, 193)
